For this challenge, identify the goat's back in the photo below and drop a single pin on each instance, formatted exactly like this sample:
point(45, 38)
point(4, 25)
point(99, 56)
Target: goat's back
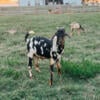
point(75, 25)
point(41, 46)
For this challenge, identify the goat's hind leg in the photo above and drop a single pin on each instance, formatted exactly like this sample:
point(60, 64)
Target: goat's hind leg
point(30, 67)
point(36, 59)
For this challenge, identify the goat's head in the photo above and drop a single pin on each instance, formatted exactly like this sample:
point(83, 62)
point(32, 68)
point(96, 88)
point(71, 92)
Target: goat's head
point(61, 34)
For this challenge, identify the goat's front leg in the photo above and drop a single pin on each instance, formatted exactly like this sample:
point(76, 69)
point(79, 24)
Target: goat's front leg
point(78, 31)
point(58, 67)
point(30, 67)
point(51, 71)
point(71, 33)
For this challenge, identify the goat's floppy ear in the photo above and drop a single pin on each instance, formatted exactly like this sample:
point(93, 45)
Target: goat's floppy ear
point(66, 34)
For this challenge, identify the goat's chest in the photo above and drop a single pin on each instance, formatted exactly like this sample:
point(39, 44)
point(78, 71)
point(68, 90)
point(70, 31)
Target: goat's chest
point(60, 49)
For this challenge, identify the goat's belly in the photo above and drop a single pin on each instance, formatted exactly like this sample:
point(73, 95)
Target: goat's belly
point(41, 57)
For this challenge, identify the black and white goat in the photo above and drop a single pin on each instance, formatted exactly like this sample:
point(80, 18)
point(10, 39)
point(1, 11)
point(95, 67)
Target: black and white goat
point(41, 47)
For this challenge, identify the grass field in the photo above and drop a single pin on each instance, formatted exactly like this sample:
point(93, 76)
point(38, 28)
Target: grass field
point(14, 81)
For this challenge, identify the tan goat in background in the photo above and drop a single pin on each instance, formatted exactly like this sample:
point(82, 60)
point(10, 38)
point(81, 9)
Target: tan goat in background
point(76, 26)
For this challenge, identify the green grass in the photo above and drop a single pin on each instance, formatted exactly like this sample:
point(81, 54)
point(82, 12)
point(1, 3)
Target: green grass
point(83, 70)
point(14, 80)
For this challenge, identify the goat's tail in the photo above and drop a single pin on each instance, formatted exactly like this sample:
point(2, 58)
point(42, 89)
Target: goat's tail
point(81, 28)
point(27, 35)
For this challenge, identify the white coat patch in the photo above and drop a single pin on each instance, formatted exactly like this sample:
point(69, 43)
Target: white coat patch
point(54, 47)
point(41, 50)
point(45, 45)
point(35, 42)
point(31, 52)
point(31, 43)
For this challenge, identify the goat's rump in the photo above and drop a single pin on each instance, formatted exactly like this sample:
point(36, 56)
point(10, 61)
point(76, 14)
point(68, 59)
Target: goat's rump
point(42, 46)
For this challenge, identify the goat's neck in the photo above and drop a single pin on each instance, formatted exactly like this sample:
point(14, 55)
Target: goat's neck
point(60, 45)
point(57, 45)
